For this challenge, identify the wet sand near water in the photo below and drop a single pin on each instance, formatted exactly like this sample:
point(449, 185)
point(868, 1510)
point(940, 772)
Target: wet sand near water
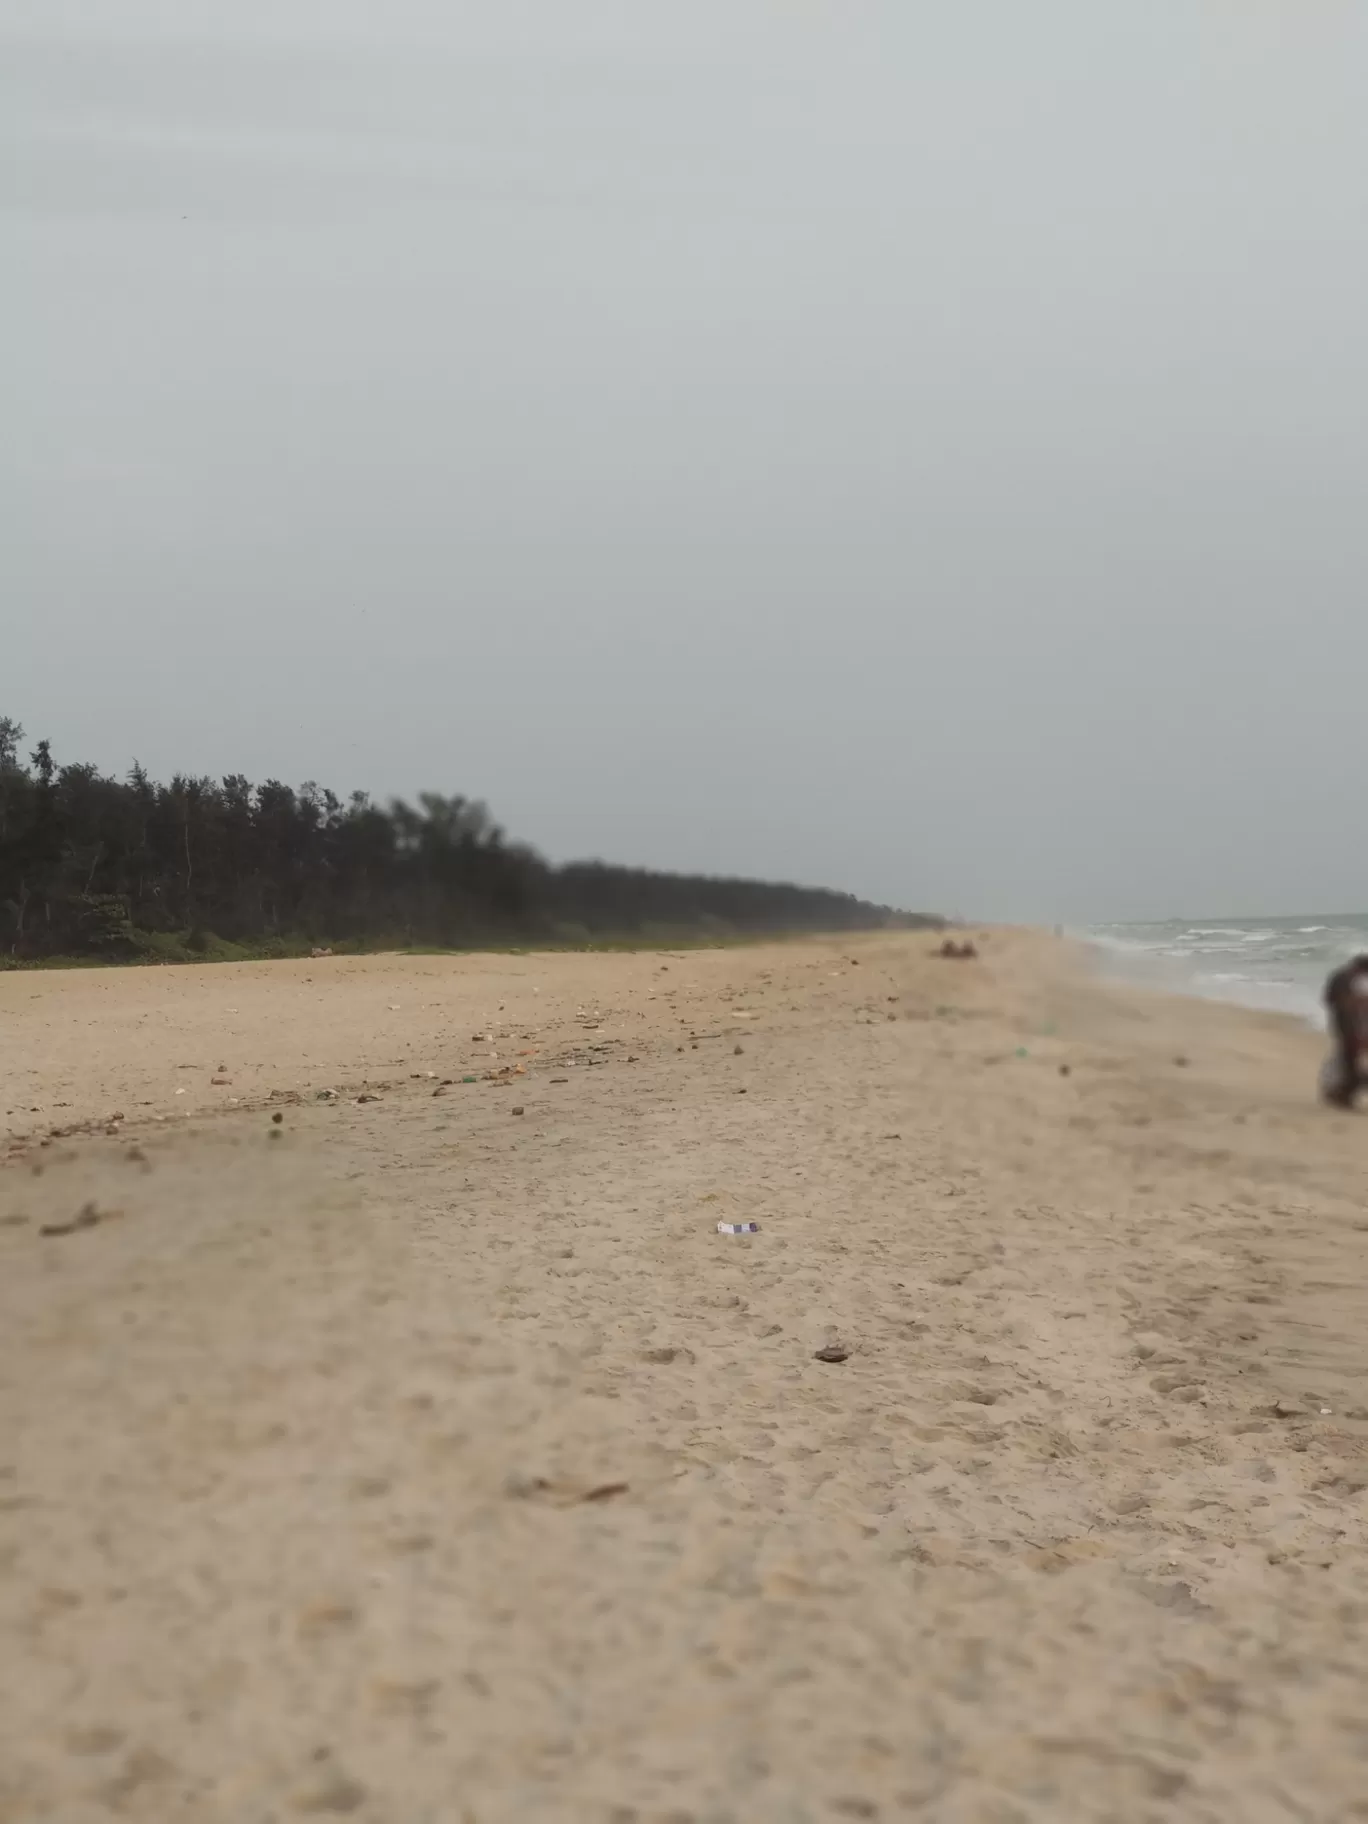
point(414, 1458)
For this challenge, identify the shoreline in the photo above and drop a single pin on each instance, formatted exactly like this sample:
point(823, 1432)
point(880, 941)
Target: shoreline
point(1221, 963)
point(429, 1438)
point(1134, 968)
point(1142, 969)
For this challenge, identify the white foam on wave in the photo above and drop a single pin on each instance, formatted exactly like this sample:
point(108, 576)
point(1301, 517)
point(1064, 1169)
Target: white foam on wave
point(1108, 940)
point(1256, 966)
point(1265, 995)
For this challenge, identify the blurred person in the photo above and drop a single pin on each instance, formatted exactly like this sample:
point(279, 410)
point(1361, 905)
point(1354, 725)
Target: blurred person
point(1346, 1000)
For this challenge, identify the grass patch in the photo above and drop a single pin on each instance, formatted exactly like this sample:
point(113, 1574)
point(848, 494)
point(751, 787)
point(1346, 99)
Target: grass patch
point(177, 947)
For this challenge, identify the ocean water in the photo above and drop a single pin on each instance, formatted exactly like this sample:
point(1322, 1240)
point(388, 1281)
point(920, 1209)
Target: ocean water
point(1277, 964)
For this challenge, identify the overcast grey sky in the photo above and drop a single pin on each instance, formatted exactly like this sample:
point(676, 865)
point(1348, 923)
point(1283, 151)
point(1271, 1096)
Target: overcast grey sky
point(915, 448)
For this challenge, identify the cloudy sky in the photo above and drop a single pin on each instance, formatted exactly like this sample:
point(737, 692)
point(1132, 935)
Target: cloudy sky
point(916, 448)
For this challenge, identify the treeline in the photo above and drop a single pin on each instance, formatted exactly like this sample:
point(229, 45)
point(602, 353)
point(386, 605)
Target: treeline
point(126, 868)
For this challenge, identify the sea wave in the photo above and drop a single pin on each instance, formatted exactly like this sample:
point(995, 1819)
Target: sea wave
point(1277, 965)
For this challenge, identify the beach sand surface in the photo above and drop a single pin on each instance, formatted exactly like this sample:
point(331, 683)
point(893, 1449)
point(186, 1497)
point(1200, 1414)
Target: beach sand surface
point(433, 1459)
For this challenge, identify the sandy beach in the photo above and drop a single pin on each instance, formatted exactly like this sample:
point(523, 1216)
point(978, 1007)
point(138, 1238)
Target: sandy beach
point(427, 1456)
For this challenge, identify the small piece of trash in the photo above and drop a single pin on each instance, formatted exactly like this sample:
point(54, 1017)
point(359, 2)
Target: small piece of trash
point(831, 1352)
point(560, 1492)
point(520, 1110)
point(1326, 1411)
point(85, 1218)
point(361, 1099)
point(738, 1228)
point(180, 1092)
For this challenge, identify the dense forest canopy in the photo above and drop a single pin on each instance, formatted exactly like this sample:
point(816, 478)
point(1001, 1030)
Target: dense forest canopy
point(123, 868)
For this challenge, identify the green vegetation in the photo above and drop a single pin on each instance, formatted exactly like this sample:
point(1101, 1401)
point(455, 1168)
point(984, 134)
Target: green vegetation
point(96, 869)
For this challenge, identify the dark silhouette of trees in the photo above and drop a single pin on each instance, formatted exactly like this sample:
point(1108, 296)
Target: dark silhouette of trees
point(101, 867)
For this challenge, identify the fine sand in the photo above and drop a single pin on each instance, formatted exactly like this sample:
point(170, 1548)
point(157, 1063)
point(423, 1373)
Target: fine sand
point(423, 1461)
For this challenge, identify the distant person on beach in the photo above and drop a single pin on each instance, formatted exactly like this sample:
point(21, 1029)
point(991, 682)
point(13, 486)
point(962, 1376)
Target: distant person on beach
point(1346, 999)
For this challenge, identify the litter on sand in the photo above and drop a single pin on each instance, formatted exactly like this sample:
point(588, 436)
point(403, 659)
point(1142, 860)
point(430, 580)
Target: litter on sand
point(738, 1228)
point(87, 1217)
